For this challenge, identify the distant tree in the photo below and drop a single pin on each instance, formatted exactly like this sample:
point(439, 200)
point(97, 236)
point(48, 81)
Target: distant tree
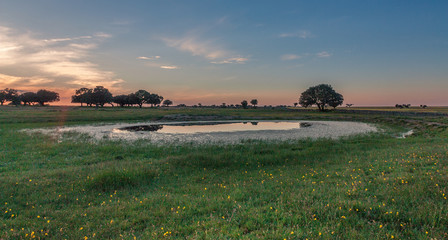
point(167, 102)
point(199, 104)
point(15, 100)
point(11, 94)
point(8, 94)
point(133, 99)
point(321, 95)
point(3, 97)
point(121, 100)
point(244, 104)
point(254, 102)
point(101, 96)
point(223, 105)
point(154, 99)
point(295, 104)
point(402, 105)
point(349, 104)
point(43, 96)
point(181, 105)
point(28, 98)
point(76, 99)
point(143, 96)
point(423, 106)
point(83, 95)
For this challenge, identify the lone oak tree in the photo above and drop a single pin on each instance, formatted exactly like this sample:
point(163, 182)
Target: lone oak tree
point(167, 102)
point(254, 102)
point(321, 95)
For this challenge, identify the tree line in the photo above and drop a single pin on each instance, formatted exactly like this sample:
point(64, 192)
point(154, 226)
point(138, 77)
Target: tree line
point(28, 98)
point(322, 95)
point(99, 96)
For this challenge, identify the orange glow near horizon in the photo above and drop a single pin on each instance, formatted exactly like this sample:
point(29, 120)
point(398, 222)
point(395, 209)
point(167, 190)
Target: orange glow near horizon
point(194, 97)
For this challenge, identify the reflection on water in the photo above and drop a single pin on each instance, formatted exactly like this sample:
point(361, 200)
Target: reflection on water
point(206, 127)
point(143, 128)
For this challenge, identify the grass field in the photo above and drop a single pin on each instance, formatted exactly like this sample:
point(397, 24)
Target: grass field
point(361, 187)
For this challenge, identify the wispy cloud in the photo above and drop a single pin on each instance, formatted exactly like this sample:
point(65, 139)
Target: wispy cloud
point(299, 34)
point(287, 57)
point(196, 47)
point(9, 80)
point(66, 39)
point(59, 62)
point(206, 49)
point(102, 35)
point(83, 46)
point(149, 58)
point(323, 54)
point(162, 65)
point(240, 60)
point(169, 67)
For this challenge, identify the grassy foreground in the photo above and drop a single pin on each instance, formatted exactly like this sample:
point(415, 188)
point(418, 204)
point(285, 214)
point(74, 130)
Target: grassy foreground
point(362, 187)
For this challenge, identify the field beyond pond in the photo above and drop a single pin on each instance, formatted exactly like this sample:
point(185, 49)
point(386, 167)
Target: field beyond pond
point(373, 186)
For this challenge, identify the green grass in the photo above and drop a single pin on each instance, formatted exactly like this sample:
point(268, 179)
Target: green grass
point(361, 187)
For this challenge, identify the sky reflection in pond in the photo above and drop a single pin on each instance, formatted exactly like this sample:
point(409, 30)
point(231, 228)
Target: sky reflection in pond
point(191, 128)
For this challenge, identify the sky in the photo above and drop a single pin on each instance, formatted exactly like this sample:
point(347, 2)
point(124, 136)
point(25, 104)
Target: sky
point(375, 53)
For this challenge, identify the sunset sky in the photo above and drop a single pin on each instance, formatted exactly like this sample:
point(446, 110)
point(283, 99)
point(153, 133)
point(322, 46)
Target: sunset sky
point(373, 52)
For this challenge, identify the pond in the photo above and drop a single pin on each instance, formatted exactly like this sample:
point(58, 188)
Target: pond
point(214, 131)
point(211, 127)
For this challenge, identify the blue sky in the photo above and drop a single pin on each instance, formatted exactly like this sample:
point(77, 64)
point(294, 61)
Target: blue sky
point(373, 52)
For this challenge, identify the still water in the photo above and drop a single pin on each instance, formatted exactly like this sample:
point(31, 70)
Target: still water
point(210, 127)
